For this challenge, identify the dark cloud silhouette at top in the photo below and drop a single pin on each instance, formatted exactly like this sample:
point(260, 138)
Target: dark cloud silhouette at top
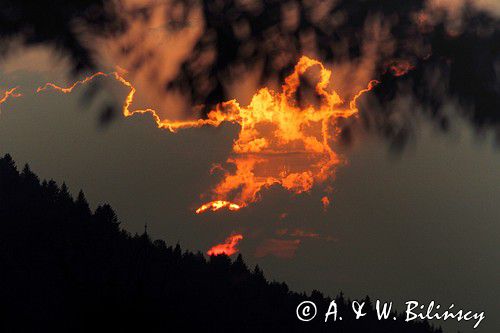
point(56, 23)
point(458, 63)
point(466, 61)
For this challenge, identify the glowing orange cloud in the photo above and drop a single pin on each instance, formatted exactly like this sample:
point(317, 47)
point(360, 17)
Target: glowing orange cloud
point(228, 247)
point(326, 202)
point(279, 143)
point(10, 93)
point(69, 89)
point(216, 205)
point(400, 67)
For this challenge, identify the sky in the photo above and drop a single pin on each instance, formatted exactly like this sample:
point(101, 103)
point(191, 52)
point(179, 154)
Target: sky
point(421, 224)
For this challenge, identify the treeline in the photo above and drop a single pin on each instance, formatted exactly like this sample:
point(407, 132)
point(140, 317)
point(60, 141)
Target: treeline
point(64, 267)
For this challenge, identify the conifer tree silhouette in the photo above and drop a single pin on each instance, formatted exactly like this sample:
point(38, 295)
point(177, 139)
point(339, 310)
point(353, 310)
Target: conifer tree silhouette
point(65, 268)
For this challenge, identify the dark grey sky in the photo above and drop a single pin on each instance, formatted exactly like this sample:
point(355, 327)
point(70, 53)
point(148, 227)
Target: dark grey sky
point(423, 225)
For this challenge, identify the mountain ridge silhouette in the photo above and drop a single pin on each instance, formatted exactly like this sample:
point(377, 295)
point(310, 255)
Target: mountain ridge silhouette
point(68, 268)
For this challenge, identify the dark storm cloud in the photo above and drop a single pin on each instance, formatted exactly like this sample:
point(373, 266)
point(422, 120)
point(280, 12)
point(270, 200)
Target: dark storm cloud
point(459, 46)
point(54, 23)
point(397, 230)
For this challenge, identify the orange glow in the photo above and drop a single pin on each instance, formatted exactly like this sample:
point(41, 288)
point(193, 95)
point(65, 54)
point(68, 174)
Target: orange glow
point(279, 143)
point(10, 93)
point(400, 67)
point(228, 247)
point(69, 89)
point(326, 202)
point(216, 205)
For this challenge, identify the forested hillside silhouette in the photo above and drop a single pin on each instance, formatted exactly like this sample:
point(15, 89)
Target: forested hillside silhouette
point(64, 267)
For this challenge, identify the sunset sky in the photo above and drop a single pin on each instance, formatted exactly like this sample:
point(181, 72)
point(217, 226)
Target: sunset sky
point(420, 224)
